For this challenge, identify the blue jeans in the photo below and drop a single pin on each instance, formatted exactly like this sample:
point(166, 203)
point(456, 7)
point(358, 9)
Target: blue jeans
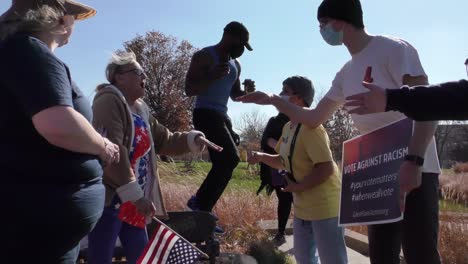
point(45, 223)
point(102, 239)
point(322, 235)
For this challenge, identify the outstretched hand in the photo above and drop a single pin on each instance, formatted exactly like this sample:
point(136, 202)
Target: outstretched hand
point(257, 97)
point(254, 157)
point(373, 101)
point(202, 141)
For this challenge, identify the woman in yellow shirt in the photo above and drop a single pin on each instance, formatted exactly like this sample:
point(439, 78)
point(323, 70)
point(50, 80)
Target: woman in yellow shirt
point(313, 179)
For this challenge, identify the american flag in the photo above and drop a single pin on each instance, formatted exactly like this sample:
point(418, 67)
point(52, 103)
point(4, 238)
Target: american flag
point(167, 247)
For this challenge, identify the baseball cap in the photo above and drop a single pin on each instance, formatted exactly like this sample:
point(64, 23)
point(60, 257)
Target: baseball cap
point(238, 29)
point(19, 8)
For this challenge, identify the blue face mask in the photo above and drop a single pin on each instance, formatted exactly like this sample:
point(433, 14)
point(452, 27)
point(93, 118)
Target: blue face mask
point(332, 37)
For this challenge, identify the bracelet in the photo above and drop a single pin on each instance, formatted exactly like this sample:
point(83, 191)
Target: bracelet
point(417, 160)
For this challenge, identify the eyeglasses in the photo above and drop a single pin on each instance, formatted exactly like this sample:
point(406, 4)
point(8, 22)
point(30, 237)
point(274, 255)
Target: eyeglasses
point(136, 71)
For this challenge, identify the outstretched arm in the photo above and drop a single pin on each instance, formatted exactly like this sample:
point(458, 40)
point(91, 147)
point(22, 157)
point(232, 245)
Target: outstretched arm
point(445, 101)
point(308, 116)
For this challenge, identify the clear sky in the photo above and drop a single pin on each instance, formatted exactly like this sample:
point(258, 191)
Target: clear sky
point(284, 35)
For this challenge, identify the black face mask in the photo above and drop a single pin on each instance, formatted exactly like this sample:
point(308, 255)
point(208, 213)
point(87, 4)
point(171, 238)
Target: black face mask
point(237, 51)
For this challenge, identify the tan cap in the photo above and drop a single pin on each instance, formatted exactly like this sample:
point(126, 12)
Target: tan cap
point(19, 8)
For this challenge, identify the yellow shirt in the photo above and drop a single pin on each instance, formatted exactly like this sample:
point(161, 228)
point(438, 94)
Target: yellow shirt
point(312, 147)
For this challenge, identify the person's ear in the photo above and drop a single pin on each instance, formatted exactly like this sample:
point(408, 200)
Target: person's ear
point(338, 25)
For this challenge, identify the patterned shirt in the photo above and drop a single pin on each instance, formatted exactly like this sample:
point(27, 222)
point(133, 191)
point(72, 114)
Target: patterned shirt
point(140, 150)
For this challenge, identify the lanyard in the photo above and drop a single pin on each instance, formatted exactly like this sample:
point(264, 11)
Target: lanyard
point(291, 152)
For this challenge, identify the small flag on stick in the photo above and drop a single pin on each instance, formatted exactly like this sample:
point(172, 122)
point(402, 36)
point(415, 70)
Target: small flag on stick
point(168, 247)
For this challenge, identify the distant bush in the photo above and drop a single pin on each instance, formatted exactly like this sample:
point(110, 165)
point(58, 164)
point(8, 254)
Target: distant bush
point(460, 167)
point(454, 186)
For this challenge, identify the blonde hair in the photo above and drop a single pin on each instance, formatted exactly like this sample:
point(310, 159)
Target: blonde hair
point(42, 19)
point(117, 60)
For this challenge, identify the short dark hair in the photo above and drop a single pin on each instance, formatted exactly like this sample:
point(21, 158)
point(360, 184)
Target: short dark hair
point(303, 87)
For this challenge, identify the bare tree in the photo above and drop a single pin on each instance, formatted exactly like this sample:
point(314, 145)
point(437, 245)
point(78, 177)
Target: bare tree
point(451, 144)
point(442, 136)
point(251, 126)
point(340, 127)
point(165, 61)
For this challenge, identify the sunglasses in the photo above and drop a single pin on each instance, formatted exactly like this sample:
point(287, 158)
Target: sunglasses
point(136, 71)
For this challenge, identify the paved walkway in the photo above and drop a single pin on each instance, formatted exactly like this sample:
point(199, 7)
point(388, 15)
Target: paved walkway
point(353, 256)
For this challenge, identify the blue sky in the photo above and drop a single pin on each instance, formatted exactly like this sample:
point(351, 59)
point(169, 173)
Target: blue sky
point(284, 35)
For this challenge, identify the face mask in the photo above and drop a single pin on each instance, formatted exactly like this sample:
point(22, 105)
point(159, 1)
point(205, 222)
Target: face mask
point(332, 37)
point(237, 51)
point(285, 97)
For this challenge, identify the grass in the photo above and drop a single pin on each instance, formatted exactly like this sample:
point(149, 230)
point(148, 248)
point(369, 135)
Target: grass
point(452, 207)
point(244, 177)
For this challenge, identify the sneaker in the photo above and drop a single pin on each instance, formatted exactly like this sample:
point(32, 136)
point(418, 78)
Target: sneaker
point(193, 205)
point(279, 239)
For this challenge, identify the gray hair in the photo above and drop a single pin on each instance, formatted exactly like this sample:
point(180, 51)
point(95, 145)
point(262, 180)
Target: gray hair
point(118, 60)
point(42, 19)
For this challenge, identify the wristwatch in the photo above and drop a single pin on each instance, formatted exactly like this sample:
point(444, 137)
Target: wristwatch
point(417, 160)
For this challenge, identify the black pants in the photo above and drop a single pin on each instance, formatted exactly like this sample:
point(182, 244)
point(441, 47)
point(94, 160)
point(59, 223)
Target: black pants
point(217, 128)
point(285, 200)
point(417, 233)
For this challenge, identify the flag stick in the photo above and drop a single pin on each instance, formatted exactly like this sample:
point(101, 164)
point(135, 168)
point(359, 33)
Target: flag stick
point(203, 253)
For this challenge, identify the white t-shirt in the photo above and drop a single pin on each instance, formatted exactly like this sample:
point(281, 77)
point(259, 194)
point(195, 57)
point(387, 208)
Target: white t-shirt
point(390, 59)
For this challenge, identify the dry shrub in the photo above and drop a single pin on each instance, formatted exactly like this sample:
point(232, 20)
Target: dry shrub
point(453, 240)
point(460, 167)
point(454, 187)
point(238, 211)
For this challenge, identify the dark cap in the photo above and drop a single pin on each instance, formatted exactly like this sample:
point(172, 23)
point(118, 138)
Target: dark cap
point(235, 28)
point(466, 62)
point(303, 87)
point(347, 10)
point(19, 8)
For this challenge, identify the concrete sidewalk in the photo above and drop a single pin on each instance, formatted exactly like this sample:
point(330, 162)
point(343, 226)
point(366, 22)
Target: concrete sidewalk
point(355, 240)
point(353, 256)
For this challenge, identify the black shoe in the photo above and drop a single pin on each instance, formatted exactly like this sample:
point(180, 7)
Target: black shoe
point(279, 239)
